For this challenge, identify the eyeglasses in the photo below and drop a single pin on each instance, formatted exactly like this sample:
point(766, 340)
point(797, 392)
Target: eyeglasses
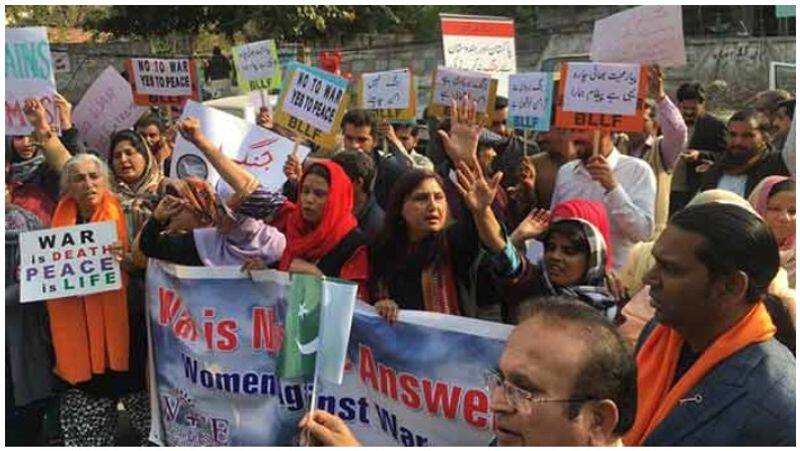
point(520, 399)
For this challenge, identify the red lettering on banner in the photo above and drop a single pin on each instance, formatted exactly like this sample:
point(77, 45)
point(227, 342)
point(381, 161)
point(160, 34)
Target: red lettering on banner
point(440, 394)
point(267, 333)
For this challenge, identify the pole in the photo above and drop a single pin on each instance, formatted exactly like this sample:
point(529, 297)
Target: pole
point(596, 143)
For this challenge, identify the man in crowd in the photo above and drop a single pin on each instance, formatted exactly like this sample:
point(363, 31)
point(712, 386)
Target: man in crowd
point(710, 372)
point(151, 127)
point(218, 72)
point(406, 135)
point(510, 148)
point(767, 103)
point(575, 385)
point(626, 185)
point(558, 151)
point(781, 123)
point(749, 156)
point(361, 170)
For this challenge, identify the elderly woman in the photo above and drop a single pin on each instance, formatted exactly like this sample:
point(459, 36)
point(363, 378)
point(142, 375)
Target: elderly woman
point(100, 347)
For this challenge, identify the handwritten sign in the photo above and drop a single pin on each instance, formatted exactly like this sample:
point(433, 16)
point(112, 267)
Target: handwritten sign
point(651, 34)
point(257, 65)
point(68, 261)
point(312, 103)
point(107, 106)
point(29, 73)
point(260, 151)
point(453, 84)
point(601, 88)
point(389, 95)
point(611, 117)
point(530, 100)
point(480, 44)
point(163, 81)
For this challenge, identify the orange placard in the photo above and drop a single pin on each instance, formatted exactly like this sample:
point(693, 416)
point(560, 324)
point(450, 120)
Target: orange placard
point(148, 100)
point(598, 121)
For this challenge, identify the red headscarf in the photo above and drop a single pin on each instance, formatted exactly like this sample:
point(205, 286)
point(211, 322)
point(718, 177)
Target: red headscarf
point(337, 220)
point(591, 211)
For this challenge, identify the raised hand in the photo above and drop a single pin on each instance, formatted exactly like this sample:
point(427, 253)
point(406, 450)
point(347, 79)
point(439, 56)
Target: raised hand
point(387, 309)
point(293, 168)
point(656, 80)
point(478, 193)
point(461, 144)
point(35, 114)
point(64, 111)
point(190, 129)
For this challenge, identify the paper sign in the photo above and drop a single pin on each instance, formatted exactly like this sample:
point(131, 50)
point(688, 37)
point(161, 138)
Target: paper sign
point(480, 44)
point(61, 62)
point(601, 88)
point(163, 81)
point(260, 151)
point(107, 106)
point(651, 34)
point(257, 65)
point(613, 121)
point(312, 103)
point(386, 90)
point(68, 261)
point(29, 73)
point(449, 84)
point(530, 100)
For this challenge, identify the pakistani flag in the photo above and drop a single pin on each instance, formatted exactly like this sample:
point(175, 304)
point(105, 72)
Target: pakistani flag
point(317, 328)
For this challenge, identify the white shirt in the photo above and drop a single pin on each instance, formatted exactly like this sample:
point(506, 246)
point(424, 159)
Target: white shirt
point(630, 206)
point(733, 183)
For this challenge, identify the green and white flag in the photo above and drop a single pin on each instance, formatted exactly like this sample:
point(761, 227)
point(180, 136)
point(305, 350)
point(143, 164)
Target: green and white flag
point(317, 328)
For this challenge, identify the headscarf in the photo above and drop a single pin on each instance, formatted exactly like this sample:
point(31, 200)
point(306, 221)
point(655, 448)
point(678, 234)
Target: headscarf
point(787, 249)
point(200, 196)
point(251, 238)
point(592, 218)
point(24, 170)
point(337, 220)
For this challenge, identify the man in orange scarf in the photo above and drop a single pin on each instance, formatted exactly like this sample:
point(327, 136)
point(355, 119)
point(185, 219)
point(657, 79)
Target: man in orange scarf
point(709, 371)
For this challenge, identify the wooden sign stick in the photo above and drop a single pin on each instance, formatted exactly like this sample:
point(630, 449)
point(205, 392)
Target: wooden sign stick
point(596, 143)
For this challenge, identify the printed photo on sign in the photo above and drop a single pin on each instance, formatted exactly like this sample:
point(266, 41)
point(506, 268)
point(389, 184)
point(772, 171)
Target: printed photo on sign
point(530, 100)
point(68, 261)
point(257, 65)
point(162, 77)
point(601, 88)
point(453, 84)
point(386, 90)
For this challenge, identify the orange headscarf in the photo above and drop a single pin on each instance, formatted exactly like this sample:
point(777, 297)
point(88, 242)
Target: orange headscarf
point(90, 333)
point(657, 362)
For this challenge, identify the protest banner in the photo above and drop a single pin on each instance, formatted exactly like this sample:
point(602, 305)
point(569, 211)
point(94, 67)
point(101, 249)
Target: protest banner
point(530, 100)
point(390, 95)
point(163, 81)
point(107, 106)
point(650, 34)
point(260, 151)
point(312, 103)
point(68, 261)
point(453, 84)
point(257, 65)
point(482, 44)
point(29, 73)
point(416, 382)
point(598, 96)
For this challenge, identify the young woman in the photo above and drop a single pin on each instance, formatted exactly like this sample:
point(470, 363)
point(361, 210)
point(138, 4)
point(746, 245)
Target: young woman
point(774, 198)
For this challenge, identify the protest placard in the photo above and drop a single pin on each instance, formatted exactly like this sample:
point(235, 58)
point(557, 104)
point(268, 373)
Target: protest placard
point(530, 100)
point(650, 34)
point(482, 44)
point(61, 62)
point(107, 106)
point(389, 95)
point(163, 81)
point(453, 84)
point(312, 103)
point(257, 65)
point(597, 96)
point(260, 151)
point(68, 261)
point(29, 73)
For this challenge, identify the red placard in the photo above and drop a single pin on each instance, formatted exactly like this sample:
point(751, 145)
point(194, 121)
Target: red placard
point(476, 27)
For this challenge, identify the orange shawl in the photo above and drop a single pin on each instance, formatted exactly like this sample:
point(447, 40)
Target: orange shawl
point(658, 359)
point(90, 333)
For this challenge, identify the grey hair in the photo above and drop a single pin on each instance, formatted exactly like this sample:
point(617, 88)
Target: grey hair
point(79, 158)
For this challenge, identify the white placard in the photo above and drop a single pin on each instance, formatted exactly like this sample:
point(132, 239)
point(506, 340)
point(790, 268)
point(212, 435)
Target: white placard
point(314, 98)
point(387, 90)
point(107, 106)
point(651, 34)
point(256, 60)
point(29, 73)
point(601, 88)
point(61, 62)
point(68, 261)
point(162, 77)
point(260, 151)
point(530, 100)
point(454, 84)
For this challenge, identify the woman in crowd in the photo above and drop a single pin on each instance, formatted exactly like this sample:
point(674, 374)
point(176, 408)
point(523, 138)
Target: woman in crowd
point(774, 199)
point(420, 261)
point(100, 347)
point(577, 255)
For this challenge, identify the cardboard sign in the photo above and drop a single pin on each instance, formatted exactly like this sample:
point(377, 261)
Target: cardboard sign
point(257, 65)
point(651, 34)
point(312, 104)
point(389, 95)
point(163, 81)
point(530, 100)
point(68, 261)
point(260, 151)
point(107, 106)
point(452, 84)
point(608, 118)
point(29, 73)
point(482, 44)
